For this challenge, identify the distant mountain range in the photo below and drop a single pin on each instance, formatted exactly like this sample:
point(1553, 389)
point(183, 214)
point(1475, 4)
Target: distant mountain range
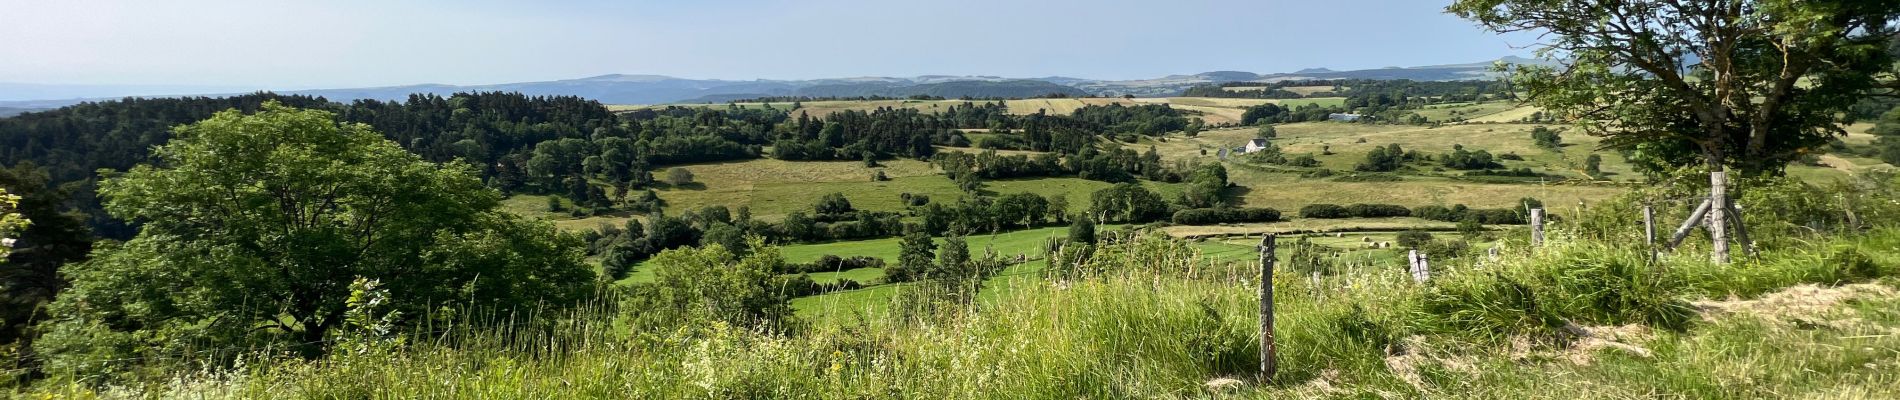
point(657, 89)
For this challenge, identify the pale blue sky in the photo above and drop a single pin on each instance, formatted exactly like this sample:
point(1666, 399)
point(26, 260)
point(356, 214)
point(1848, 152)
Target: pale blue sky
point(314, 44)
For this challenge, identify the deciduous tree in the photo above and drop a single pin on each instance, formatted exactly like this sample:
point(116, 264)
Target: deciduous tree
point(255, 225)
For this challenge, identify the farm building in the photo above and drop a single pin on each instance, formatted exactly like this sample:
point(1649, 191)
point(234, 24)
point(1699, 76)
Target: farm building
point(1255, 145)
point(1343, 117)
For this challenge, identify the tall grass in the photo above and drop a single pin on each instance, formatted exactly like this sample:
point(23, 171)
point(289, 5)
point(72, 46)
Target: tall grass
point(1148, 317)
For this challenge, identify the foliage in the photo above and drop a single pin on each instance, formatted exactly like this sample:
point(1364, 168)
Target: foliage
point(1305, 257)
point(697, 286)
point(1127, 202)
point(1324, 211)
point(30, 276)
point(1459, 158)
point(1330, 211)
point(1469, 333)
point(833, 204)
point(1206, 185)
point(1209, 216)
point(1082, 231)
point(915, 257)
point(1749, 84)
point(1414, 239)
point(1459, 213)
point(1547, 138)
point(10, 221)
point(678, 176)
point(255, 226)
point(1384, 159)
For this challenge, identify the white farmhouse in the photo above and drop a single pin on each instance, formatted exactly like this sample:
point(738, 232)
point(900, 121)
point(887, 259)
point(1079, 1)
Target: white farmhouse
point(1255, 145)
point(1343, 117)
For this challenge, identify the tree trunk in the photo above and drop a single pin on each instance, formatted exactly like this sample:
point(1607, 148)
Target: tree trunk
point(313, 335)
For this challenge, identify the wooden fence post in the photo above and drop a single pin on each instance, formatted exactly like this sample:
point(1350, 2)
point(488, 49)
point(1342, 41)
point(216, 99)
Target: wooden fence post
point(1741, 229)
point(1718, 218)
point(1853, 221)
point(1537, 227)
point(1268, 364)
point(1695, 218)
point(1649, 231)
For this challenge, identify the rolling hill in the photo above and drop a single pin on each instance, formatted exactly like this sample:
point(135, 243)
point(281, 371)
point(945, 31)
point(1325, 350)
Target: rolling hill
point(659, 89)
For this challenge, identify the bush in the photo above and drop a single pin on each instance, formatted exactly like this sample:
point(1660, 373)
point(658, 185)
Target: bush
point(1460, 213)
point(1326, 211)
point(802, 285)
point(831, 263)
point(1330, 211)
point(1377, 211)
point(1208, 216)
point(1414, 239)
point(678, 176)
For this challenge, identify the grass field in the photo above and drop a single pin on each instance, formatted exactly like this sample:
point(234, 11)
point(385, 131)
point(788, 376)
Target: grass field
point(773, 188)
point(1344, 141)
point(1473, 111)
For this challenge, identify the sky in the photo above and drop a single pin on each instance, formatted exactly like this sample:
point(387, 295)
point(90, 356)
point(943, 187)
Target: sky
point(284, 45)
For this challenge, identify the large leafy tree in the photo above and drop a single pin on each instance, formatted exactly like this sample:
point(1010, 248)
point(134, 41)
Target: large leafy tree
point(10, 221)
point(255, 225)
point(1745, 84)
point(8, 218)
point(29, 277)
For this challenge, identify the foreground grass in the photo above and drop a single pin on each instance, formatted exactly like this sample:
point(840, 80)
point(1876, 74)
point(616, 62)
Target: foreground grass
point(1159, 319)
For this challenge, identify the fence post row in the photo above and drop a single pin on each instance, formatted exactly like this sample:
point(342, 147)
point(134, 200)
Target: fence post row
point(1268, 364)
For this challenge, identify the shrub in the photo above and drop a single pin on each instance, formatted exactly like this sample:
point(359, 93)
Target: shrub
point(1377, 211)
point(802, 285)
point(678, 176)
point(1414, 239)
point(830, 263)
point(1207, 216)
point(694, 285)
point(1327, 211)
point(1082, 231)
point(1460, 213)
